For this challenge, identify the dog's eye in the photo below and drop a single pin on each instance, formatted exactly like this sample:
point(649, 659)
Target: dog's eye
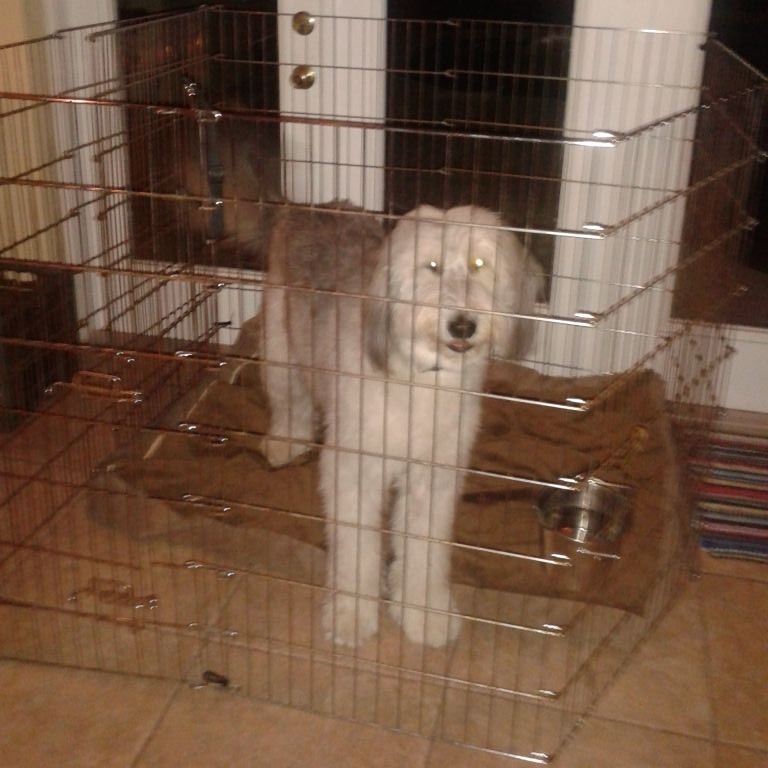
point(476, 264)
point(434, 265)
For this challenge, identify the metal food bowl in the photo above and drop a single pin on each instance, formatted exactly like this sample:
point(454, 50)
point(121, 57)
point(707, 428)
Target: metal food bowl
point(597, 512)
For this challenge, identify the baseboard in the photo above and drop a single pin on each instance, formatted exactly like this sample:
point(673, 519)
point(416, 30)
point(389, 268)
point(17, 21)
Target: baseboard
point(750, 423)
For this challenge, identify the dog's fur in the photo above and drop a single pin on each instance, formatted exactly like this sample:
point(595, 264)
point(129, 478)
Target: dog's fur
point(380, 372)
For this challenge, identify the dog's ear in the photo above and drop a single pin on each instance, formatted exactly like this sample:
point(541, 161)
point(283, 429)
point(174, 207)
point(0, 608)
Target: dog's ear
point(376, 317)
point(518, 284)
point(525, 330)
point(377, 312)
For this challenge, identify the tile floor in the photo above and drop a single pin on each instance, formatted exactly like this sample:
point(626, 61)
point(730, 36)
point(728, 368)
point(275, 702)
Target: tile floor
point(693, 696)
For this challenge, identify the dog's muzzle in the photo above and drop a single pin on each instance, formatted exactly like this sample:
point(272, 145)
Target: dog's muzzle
point(462, 328)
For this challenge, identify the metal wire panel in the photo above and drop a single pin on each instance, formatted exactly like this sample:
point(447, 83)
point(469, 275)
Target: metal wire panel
point(143, 168)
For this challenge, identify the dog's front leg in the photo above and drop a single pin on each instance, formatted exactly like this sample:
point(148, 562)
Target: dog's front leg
point(353, 492)
point(422, 528)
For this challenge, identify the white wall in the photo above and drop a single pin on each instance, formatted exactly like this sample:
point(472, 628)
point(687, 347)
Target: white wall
point(25, 19)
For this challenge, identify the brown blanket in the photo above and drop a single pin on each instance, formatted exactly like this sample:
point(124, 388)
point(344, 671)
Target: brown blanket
point(626, 439)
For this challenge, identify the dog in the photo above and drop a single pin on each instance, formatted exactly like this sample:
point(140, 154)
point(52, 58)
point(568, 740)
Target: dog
point(382, 343)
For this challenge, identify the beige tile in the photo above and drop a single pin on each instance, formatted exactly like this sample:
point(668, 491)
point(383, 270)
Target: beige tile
point(331, 685)
point(600, 744)
point(506, 648)
point(452, 756)
point(741, 716)
point(262, 632)
point(738, 645)
point(215, 728)
point(729, 756)
point(737, 627)
point(93, 586)
point(734, 593)
point(730, 566)
point(508, 725)
point(281, 655)
point(61, 717)
point(606, 744)
point(665, 684)
point(503, 666)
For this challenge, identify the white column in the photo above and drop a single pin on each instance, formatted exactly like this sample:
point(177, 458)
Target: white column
point(619, 80)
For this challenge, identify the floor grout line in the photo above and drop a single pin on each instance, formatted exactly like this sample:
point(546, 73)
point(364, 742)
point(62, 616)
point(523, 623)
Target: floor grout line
point(156, 725)
point(708, 670)
point(654, 729)
point(194, 662)
point(441, 712)
point(739, 745)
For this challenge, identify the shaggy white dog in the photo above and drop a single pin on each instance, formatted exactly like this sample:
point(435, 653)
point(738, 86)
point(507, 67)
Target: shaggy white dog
point(388, 371)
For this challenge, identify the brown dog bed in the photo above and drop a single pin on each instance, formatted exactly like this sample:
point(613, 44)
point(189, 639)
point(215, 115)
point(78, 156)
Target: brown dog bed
point(625, 439)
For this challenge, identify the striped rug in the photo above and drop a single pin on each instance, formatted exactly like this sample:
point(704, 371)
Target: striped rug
point(731, 496)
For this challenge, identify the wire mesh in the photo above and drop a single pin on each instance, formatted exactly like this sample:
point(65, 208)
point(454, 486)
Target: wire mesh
point(145, 169)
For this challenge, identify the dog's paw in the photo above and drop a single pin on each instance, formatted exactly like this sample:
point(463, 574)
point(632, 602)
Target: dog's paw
point(350, 621)
point(279, 453)
point(424, 627)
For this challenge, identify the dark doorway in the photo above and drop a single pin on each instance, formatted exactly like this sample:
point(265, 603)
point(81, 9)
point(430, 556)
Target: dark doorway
point(745, 256)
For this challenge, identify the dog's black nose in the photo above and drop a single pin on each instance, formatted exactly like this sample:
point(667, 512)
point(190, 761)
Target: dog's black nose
point(462, 327)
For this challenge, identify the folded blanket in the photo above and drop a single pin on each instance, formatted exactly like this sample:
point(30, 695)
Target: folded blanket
point(626, 438)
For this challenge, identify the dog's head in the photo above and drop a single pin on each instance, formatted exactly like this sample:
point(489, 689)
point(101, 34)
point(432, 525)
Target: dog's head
point(453, 279)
